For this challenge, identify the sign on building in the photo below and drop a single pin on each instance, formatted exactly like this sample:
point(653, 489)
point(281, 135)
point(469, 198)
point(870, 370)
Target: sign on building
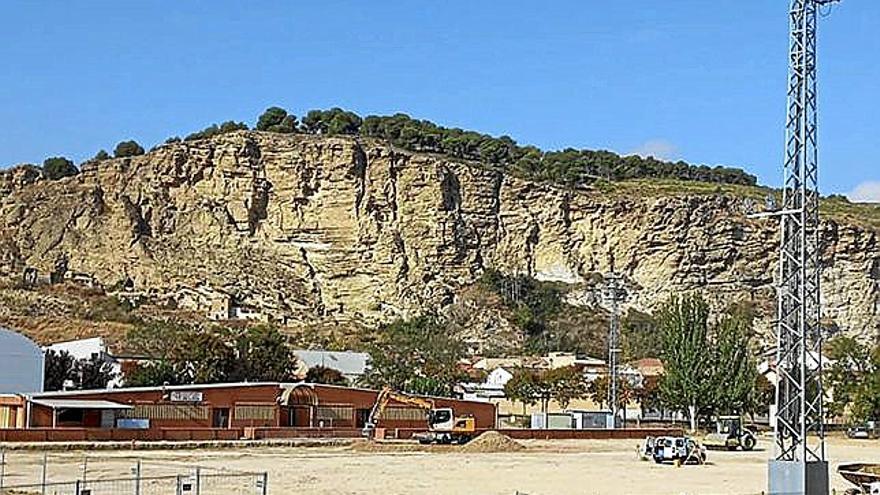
point(186, 396)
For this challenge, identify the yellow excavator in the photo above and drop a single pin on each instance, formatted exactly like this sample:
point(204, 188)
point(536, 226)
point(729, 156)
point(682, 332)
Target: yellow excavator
point(443, 425)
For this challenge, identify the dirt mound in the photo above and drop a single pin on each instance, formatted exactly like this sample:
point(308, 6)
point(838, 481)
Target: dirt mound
point(492, 441)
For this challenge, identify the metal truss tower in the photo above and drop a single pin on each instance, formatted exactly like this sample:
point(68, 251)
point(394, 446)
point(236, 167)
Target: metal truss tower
point(614, 295)
point(799, 465)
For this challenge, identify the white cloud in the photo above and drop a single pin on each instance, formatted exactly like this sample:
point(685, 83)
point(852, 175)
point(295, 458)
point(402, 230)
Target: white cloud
point(658, 148)
point(866, 192)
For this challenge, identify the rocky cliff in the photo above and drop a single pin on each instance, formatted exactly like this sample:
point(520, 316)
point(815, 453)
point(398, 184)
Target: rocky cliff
point(307, 229)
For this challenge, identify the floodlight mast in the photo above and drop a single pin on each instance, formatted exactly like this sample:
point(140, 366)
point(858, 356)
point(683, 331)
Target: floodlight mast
point(799, 465)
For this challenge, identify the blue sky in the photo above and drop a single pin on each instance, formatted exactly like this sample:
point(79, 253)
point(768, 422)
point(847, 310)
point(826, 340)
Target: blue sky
point(692, 79)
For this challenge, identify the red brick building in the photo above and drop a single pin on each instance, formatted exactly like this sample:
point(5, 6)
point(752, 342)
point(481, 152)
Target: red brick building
point(232, 405)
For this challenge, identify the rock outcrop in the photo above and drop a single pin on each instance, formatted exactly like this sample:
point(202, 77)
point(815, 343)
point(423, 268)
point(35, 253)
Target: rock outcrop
point(310, 229)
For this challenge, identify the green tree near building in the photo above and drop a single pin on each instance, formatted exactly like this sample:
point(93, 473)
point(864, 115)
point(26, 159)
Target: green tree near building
point(184, 354)
point(709, 368)
point(854, 377)
point(532, 387)
point(84, 374)
point(58, 167)
point(95, 373)
point(522, 388)
point(325, 375)
point(59, 367)
point(417, 356)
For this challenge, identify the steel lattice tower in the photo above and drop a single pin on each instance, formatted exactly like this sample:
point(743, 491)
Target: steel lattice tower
point(614, 294)
point(799, 465)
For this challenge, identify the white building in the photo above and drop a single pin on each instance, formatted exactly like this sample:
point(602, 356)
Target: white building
point(21, 364)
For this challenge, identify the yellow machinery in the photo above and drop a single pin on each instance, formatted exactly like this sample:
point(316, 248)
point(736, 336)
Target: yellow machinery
point(443, 425)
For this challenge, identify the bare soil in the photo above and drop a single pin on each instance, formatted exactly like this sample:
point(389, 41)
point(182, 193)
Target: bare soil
point(540, 468)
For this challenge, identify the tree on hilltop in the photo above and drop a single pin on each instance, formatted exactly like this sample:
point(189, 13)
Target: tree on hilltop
point(128, 148)
point(276, 119)
point(58, 167)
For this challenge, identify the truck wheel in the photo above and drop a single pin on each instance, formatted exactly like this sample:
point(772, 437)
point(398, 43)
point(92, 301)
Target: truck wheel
point(748, 443)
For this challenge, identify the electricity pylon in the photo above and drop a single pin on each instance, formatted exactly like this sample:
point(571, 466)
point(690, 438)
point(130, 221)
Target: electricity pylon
point(799, 465)
point(614, 295)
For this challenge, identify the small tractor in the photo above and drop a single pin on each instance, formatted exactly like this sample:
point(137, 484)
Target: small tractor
point(730, 434)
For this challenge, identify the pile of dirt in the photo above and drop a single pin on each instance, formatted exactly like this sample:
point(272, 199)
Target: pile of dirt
point(492, 441)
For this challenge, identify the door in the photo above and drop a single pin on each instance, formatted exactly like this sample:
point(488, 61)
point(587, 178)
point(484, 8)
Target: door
point(108, 418)
point(361, 417)
point(220, 417)
point(301, 416)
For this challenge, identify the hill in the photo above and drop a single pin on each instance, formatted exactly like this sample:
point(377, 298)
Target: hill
point(331, 236)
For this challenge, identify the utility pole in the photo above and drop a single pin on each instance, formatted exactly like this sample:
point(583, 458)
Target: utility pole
point(614, 295)
point(799, 465)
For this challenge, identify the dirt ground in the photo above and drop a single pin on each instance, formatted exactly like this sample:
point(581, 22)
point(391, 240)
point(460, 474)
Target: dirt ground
point(542, 468)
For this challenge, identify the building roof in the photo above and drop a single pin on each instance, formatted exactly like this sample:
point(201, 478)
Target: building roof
point(80, 404)
point(649, 366)
point(347, 363)
point(74, 393)
point(88, 341)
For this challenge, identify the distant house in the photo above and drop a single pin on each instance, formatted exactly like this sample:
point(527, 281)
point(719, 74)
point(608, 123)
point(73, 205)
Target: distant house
point(648, 367)
point(216, 304)
point(87, 349)
point(352, 365)
point(491, 388)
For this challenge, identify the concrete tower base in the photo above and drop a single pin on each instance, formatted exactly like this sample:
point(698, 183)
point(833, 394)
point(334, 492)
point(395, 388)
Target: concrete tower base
point(798, 478)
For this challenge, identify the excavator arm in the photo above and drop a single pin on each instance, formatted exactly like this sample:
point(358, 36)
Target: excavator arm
point(384, 398)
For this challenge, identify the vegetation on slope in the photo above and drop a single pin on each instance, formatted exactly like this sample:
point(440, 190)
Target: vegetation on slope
point(570, 167)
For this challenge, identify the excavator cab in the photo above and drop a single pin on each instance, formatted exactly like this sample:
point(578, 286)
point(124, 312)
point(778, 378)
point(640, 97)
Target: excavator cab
point(441, 419)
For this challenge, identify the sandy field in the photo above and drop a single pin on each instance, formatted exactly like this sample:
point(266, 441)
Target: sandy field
point(541, 468)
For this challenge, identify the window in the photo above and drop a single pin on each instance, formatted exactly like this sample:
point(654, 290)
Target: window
point(441, 416)
point(167, 411)
point(334, 413)
point(70, 415)
point(254, 412)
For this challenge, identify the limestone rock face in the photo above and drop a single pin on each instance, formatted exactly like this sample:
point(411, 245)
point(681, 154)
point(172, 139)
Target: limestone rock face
point(312, 229)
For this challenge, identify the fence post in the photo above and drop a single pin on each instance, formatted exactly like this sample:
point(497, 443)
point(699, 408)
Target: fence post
point(78, 488)
point(85, 469)
point(265, 477)
point(2, 468)
point(198, 481)
point(137, 478)
point(43, 477)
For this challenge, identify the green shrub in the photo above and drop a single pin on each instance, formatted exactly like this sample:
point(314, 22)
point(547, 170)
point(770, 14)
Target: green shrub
point(128, 148)
point(276, 119)
point(58, 167)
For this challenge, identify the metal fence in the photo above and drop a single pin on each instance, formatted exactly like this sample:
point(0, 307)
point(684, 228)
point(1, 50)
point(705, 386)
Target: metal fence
point(141, 479)
point(211, 484)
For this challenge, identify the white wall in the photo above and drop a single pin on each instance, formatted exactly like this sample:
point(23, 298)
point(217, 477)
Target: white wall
point(21, 364)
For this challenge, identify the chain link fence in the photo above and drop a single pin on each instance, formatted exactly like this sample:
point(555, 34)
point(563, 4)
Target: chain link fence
point(33, 478)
